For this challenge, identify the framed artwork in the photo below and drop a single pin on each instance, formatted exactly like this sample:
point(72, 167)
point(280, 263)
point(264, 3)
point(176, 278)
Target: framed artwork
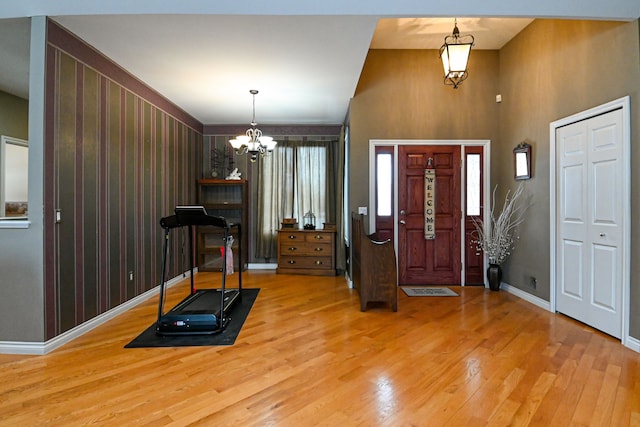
point(522, 161)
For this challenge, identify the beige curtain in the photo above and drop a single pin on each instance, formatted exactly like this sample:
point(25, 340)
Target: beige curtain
point(298, 177)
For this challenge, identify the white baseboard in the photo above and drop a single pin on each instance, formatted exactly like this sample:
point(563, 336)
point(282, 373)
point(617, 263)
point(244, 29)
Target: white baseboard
point(628, 341)
point(257, 266)
point(526, 296)
point(632, 343)
point(40, 348)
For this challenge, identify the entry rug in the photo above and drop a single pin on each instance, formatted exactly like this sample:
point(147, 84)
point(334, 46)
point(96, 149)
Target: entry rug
point(238, 315)
point(428, 292)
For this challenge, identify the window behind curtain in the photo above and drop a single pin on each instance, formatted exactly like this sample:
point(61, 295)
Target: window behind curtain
point(293, 181)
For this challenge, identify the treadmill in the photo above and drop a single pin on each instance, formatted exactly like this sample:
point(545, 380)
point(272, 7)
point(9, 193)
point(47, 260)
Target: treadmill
point(203, 311)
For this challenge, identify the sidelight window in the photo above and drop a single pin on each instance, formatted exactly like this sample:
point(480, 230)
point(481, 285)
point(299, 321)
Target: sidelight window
point(473, 184)
point(384, 180)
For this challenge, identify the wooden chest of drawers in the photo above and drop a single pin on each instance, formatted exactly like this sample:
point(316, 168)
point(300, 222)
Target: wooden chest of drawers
point(307, 252)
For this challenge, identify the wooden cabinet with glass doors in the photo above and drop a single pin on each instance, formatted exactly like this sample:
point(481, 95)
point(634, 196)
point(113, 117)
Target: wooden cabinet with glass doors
point(228, 199)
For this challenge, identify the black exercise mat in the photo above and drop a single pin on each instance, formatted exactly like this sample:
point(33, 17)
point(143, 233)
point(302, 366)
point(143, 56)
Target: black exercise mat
point(238, 315)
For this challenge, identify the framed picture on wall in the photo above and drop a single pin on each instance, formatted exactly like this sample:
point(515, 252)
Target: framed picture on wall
point(522, 161)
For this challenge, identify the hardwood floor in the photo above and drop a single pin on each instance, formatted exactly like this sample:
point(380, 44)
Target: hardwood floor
point(307, 356)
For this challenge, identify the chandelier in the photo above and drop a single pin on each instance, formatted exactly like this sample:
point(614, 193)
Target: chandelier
point(455, 55)
point(253, 142)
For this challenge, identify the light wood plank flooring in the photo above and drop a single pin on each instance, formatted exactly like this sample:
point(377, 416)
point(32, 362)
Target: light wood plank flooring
point(308, 357)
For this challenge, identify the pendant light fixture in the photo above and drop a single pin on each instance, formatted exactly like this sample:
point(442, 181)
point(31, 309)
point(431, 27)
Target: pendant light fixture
point(455, 55)
point(253, 142)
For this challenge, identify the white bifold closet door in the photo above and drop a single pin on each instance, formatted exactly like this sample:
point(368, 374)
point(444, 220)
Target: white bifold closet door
point(589, 221)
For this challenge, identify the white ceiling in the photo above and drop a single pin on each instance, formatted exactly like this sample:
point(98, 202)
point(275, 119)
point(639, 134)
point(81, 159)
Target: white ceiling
point(305, 67)
point(305, 58)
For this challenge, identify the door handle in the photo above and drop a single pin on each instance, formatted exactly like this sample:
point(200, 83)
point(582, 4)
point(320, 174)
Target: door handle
point(402, 221)
point(602, 234)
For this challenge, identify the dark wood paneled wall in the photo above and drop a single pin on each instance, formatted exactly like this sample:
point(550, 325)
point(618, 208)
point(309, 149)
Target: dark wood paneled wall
point(118, 159)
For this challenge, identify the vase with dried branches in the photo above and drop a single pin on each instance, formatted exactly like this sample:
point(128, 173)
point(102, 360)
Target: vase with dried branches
point(497, 237)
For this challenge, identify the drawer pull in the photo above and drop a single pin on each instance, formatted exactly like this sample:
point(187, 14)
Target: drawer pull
point(318, 249)
point(293, 248)
point(318, 262)
point(291, 261)
point(318, 237)
point(292, 236)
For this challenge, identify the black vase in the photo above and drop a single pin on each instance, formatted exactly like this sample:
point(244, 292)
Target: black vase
point(494, 276)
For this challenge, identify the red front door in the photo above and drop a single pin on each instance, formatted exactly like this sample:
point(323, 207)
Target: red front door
point(429, 261)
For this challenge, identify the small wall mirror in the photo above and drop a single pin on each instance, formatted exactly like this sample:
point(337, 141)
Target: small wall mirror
point(14, 172)
point(522, 161)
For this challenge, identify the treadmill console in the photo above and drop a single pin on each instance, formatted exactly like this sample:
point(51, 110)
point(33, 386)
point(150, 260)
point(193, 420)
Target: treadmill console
point(195, 215)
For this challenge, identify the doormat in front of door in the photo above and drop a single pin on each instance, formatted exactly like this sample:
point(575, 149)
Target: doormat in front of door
point(428, 292)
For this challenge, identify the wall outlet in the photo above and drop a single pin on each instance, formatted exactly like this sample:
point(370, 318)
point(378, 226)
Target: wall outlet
point(362, 210)
point(131, 276)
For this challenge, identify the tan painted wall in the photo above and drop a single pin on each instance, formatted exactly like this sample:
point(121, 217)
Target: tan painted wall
point(400, 95)
point(551, 70)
